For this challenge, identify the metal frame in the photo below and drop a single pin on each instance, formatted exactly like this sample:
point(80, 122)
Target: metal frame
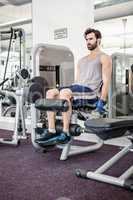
point(99, 175)
point(112, 108)
point(19, 118)
point(68, 149)
point(71, 150)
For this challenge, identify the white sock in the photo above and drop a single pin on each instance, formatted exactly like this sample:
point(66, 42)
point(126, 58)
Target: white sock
point(52, 130)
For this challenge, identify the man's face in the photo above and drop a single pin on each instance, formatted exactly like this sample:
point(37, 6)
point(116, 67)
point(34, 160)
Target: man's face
point(91, 41)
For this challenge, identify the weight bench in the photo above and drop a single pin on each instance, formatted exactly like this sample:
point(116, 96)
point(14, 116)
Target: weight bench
point(43, 105)
point(107, 129)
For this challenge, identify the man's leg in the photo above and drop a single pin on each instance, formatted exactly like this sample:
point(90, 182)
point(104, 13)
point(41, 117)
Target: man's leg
point(52, 94)
point(66, 94)
point(51, 137)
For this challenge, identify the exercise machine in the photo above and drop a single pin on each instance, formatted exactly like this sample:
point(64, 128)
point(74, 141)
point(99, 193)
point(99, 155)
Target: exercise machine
point(16, 105)
point(107, 129)
point(39, 124)
point(120, 95)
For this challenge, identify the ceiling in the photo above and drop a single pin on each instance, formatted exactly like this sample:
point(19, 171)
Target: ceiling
point(117, 34)
point(104, 9)
point(19, 12)
point(11, 12)
point(16, 13)
point(107, 3)
point(14, 2)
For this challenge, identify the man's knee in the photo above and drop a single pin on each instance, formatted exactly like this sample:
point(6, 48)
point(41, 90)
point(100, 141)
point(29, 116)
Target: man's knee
point(52, 93)
point(66, 94)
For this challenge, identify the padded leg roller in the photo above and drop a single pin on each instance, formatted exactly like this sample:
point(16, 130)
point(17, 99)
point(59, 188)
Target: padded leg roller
point(74, 129)
point(52, 105)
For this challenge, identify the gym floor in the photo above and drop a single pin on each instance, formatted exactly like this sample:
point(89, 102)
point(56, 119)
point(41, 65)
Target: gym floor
point(26, 174)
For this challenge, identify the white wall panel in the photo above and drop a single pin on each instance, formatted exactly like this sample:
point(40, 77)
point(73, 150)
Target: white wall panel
point(49, 15)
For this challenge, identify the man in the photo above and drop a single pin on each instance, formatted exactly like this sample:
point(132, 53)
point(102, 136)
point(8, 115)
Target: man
point(93, 74)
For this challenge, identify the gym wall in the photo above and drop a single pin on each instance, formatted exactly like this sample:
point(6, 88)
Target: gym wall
point(62, 22)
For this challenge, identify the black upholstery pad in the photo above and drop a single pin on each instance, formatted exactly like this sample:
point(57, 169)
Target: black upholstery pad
point(52, 105)
point(107, 128)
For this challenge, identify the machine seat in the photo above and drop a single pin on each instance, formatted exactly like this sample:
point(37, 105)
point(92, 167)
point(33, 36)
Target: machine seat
point(84, 103)
point(84, 107)
point(107, 128)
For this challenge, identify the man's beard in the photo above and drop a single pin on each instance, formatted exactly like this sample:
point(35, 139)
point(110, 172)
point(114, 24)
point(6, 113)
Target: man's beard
point(92, 46)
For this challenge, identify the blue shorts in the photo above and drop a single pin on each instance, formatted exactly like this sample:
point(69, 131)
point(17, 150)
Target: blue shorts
point(82, 92)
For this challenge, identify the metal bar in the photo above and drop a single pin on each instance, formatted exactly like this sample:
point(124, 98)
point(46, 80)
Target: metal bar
point(16, 23)
point(70, 150)
point(112, 90)
point(8, 54)
point(114, 159)
point(127, 173)
point(105, 178)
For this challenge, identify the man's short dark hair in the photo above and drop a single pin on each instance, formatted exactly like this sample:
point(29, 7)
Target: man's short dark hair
point(97, 33)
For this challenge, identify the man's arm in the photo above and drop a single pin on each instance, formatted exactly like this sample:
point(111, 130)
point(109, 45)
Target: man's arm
point(106, 62)
point(77, 73)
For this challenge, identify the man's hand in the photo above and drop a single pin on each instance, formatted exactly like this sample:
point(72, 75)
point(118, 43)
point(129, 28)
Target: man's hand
point(100, 111)
point(100, 106)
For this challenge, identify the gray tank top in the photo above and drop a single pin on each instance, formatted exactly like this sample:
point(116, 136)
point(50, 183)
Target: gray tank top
point(90, 72)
